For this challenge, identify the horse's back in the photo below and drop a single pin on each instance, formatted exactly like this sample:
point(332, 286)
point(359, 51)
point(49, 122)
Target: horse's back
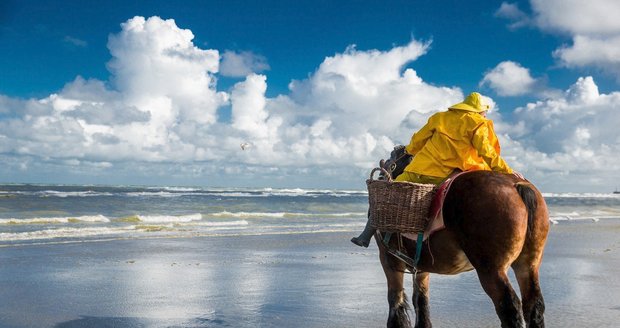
point(482, 197)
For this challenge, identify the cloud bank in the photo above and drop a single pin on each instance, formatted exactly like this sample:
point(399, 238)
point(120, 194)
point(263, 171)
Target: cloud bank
point(161, 118)
point(162, 105)
point(571, 140)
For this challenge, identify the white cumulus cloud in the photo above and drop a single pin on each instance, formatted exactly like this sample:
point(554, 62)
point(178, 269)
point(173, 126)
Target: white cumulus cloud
point(577, 17)
point(509, 79)
point(240, 64)
point(602, 52)
point(512, 12)
point(573, 134)
point(161, 114)
point(593, 27)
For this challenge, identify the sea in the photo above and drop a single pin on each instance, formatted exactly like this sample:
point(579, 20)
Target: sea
point(52, 214)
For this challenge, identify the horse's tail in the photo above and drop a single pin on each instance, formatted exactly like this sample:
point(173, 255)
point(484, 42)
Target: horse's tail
point(528, 195)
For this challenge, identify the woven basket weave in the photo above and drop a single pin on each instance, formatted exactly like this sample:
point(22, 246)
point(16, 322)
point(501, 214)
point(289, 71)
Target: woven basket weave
point(399, 206)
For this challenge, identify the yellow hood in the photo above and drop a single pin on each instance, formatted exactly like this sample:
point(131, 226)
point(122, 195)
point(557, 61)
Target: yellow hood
point(473, 103)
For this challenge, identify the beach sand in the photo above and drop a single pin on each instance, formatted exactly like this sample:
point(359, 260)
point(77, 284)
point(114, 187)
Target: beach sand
point(296, 280)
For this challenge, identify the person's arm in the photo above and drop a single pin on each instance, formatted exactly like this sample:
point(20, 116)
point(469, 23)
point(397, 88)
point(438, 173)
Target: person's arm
point(486, 143)
point(418, 139)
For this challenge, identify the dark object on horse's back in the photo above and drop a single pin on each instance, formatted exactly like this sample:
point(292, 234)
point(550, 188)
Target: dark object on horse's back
point(399, 159)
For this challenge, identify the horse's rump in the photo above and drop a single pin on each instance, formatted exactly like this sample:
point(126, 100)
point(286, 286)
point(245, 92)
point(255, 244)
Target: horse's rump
point(480, 197)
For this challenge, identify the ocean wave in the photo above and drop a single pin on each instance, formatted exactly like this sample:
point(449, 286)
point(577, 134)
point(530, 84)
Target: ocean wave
point(66, 194)
point(63, 233)
point(251, 192)
point(580, 195)
point(278, 193)
point(234, 194)
point(314, 192)
point(177, 189)
point(348, 225)
point(58, 193)
point(52, 220)
point(215, 224)
point(140, 230)
point(248, 214)
point(591, 215)
point(169, 218)
point(160, 193)
point(292, 192)
point(345, 214)
point(64, 191)
point(284, 214)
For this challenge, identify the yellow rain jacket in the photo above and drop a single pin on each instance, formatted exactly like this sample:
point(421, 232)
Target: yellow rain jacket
point(455, 139)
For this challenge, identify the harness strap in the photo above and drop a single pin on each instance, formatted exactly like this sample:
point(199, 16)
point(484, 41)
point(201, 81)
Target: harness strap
point(386, 238)
point(400, 255)
point(418, 248)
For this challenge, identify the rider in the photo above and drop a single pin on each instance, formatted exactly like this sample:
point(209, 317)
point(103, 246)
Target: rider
point(461, 138)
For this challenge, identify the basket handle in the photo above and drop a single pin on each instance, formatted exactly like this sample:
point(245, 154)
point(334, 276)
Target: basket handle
point(385, 173)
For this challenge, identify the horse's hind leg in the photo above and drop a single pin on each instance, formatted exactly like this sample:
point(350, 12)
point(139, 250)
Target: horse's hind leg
point(506, 301)
point(397, 300)
point(420, 300)
point(527, 265)
point(533, 303)
point(526, 270)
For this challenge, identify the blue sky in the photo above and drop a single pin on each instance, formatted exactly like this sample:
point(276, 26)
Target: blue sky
point(163, 92)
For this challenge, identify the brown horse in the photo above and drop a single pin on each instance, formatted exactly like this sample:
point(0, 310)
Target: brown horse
point(493, 221)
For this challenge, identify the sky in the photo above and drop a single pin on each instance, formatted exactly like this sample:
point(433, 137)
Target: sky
point(317, 92)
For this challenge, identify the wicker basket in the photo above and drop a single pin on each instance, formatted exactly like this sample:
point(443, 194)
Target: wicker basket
point(398, 206)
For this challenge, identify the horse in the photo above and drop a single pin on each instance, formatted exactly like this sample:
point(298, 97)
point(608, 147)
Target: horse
point(493, 221)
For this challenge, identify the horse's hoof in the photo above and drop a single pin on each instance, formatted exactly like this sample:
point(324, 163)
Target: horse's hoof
point(359, 242)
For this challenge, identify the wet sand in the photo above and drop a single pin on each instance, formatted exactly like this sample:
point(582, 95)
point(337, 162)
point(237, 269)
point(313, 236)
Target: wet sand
point(297, 280)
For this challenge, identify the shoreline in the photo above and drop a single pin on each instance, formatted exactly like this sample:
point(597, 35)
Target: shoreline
point(304, 280)
point(63, 241)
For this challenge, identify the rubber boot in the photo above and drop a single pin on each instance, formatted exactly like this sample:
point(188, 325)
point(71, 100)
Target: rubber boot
point(363, 240)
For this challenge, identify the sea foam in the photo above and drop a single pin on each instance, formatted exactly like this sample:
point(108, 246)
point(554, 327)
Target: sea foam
point(63, 233)
point(169, 218)
point(53, 220)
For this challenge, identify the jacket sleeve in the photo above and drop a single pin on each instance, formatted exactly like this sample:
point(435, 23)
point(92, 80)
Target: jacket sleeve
point(486, 143)
point(418, 139)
